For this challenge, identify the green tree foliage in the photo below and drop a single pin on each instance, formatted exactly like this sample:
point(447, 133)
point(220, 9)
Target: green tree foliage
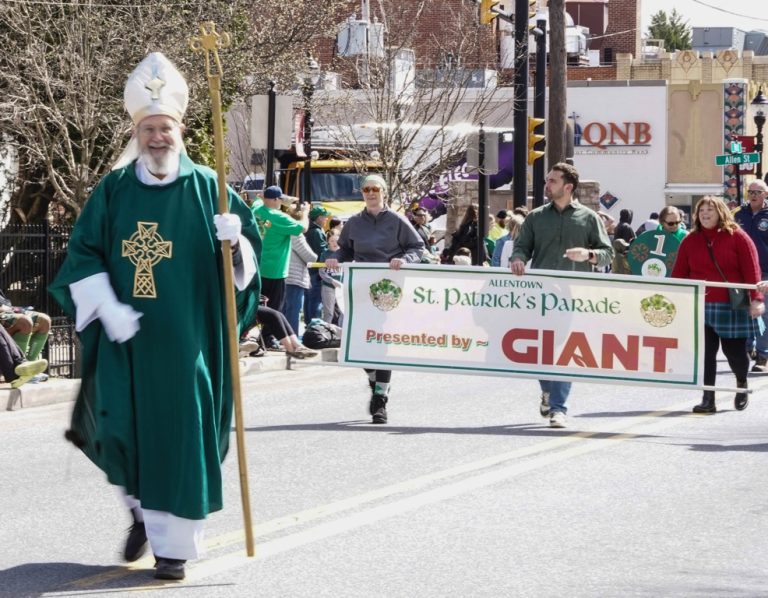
point(63, 66)
point(673, 29)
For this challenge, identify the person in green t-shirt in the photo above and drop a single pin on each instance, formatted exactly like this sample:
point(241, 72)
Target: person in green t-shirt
point(278, 228)
point(670, 221)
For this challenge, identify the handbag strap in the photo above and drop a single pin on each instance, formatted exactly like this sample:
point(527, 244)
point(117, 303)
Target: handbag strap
point(712, 255)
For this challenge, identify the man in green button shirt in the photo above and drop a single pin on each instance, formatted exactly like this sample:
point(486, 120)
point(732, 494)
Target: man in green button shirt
point(561, 235)
point(278, 228)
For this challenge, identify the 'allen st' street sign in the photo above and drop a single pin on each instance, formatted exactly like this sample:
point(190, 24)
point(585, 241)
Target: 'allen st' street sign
point(726, 159)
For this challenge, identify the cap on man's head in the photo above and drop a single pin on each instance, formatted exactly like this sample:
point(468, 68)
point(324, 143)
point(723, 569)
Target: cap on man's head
point(156, 87)
point(501, 214)
point(273, 192)
point(318, 211)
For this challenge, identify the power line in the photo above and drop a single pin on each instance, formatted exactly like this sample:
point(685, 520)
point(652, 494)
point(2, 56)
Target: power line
point(612, 34)
point(730, 12)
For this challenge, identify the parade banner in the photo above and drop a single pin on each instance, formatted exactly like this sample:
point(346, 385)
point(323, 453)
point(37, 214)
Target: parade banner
point(546, 324)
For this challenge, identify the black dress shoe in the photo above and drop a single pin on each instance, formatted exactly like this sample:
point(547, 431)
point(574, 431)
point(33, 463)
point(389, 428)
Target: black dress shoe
point(169, 568)
point(136, 543)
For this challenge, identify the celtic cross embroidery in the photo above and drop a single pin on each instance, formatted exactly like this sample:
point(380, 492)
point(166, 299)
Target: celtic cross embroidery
point(145, 249)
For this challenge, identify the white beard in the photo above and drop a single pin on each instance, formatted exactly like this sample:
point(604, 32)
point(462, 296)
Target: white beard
point(163, 166)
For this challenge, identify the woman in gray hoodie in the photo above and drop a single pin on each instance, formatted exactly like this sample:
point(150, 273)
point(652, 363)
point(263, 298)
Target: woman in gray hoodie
point(378, 235)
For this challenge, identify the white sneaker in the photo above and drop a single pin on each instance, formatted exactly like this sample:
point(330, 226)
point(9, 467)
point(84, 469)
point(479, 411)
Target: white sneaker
point(247, 346)
point(557, 420)
point(544, 405)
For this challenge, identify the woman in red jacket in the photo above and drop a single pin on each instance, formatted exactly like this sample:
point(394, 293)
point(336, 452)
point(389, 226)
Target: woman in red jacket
point(714, 229)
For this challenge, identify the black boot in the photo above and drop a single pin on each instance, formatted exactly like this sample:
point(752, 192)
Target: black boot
point(741, 400)
point(378, 409)
point(707, 404)
point(136, 543)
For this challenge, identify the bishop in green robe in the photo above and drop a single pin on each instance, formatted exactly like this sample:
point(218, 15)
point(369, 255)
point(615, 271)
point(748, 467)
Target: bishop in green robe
point(143, 279)
point(155, 412)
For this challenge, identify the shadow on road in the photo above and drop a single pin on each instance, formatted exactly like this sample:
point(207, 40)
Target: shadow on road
point(35, 579)
point(760, 447)
point(542, 429)
point(631, 414)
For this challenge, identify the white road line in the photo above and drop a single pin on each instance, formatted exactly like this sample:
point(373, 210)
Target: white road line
point(542, 454)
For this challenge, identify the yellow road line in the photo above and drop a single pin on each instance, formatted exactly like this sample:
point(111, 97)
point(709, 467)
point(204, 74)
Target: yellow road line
point(543, 453)
point(377, 513)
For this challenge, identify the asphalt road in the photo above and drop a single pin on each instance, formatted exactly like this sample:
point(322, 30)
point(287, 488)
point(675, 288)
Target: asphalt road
point(466, 492)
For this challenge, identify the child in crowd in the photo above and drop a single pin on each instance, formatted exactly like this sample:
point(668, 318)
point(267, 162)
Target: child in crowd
point(331, 282)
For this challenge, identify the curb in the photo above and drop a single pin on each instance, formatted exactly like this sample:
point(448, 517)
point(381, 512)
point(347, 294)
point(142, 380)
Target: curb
point(64, 390)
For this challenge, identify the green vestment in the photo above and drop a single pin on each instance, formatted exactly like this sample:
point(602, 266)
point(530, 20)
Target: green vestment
point(155, 412)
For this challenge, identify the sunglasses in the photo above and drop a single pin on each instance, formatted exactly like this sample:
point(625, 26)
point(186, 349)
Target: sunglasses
point(371, 189)
point(675, 223)
point(755, 191)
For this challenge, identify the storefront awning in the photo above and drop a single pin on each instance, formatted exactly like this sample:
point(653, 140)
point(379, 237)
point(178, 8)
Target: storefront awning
point(693, 189)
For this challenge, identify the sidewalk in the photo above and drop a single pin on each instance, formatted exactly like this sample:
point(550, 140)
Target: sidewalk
point(63, 390)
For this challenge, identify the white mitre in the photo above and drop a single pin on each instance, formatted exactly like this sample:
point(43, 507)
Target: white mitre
point(154, 87)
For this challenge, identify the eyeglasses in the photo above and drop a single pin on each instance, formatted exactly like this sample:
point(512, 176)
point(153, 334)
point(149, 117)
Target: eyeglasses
point(755, 191)
point(675, 223)
point(417, 215)
point(371, 189)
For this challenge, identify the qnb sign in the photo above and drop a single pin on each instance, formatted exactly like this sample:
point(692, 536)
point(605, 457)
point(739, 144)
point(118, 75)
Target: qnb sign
point(632, 136)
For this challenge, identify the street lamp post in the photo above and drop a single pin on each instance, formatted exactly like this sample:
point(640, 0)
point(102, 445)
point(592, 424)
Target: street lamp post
point(308, 90)
point(759, 103)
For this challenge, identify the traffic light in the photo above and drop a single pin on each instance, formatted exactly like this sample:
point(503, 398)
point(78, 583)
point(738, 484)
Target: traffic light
point(532, 12)
point(486, 14)
point(533, 139)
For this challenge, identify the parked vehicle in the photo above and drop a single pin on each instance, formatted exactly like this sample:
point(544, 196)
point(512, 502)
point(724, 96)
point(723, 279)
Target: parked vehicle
point(336, 175)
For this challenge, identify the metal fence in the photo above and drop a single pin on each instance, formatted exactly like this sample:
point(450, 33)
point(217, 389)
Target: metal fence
point(31, 256)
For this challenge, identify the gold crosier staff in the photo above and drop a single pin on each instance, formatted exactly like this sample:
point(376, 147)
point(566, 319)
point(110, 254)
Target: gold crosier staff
point(209, 42)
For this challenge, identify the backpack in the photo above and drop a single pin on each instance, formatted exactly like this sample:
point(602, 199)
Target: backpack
point(321, 335)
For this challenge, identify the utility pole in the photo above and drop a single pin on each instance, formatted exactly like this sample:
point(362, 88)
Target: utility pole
point(539, 107)
point(483, 190)
point(520, 120)
point(269, 178)
point(556, 125)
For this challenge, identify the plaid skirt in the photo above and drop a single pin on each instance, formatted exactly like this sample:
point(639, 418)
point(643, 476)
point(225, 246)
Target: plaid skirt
point(731, 323)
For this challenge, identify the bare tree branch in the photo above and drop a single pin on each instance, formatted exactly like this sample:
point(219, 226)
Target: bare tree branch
point(64, 64)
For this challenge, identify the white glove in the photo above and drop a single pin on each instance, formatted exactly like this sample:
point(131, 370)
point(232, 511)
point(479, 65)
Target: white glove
point(120, 321)
point(228, 227)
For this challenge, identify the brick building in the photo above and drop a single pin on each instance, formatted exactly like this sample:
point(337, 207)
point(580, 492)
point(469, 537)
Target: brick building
point(449, 30)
